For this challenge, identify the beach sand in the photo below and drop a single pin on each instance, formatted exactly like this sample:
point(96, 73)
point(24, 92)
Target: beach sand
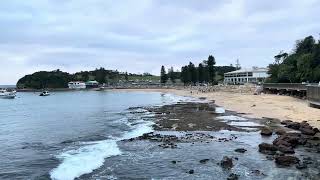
point(255, 106)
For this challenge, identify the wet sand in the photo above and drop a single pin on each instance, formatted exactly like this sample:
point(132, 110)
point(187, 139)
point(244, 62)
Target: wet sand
point(256, 106)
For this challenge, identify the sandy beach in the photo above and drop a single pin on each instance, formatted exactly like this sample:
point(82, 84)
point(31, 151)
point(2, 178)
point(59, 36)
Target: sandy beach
point(255, 106)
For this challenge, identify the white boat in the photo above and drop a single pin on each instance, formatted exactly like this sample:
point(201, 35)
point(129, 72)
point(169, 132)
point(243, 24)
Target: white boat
point(4, 94)
point(76, 85)
point(45, 93)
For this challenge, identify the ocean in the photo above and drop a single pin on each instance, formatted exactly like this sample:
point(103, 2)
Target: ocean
point(69, 134)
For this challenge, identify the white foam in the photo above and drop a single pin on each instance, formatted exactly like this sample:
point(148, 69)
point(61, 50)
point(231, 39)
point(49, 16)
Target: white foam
point(171, 99)
point(87, 158)
point(139, 129)
point(232, 118)
point(241, 124)
point(84, 160)
point(220, 110)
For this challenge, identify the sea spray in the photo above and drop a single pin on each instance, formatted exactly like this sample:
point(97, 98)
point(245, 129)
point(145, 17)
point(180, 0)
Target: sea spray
point(87, 158)
point(84, 160)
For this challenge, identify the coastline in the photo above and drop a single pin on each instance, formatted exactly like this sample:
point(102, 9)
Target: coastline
point(254, 106)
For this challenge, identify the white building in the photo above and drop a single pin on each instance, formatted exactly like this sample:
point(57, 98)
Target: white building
point(76, 85)
point(246, 75)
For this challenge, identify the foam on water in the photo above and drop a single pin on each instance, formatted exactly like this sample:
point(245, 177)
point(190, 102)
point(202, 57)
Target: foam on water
point(232, 118)
point(170, 99)
point(220, 110)
point(138, 131)
point(91, 156)
point(84, 160)
point(246, 124)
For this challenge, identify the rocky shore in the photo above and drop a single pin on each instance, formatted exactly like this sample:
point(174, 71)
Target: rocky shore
point(244, 148)
point(242, 100)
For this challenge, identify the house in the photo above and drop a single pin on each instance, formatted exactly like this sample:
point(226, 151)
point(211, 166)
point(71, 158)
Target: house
point(92, 84)
point(246, 75)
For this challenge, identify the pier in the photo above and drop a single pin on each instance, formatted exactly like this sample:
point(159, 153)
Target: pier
point(313, 95)
point(309, 91)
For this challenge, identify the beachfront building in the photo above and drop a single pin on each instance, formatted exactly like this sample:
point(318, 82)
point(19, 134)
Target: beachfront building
point(92, 84)
point(246, 75)
point(76, 85)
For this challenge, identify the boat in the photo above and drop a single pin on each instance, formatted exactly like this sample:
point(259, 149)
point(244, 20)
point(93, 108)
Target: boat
point(76, 85)
point(45, 93)
point(4, 94)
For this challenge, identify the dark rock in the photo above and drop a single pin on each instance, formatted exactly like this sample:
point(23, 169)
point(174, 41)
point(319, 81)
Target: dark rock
point(315, 138)
point(270, 157)
point(191, 171)
point(301, 166)
point(168, 145)
point(293, 125)
point(286, 160)
point(286, 149)
point(286, 122)
point(307, 131)
point(233, 176)
point(203, 161)
point(307, 160)
point(226, 162)
point(266, 131)
point(174, 162)
point(290, 139)
point(280, 132)
point(257, 172)
point(240, 150)
point(281, 141)
point(267, 148)
point(316, 130)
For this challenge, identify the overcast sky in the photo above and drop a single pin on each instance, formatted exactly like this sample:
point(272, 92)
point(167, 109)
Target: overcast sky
point(140, 36)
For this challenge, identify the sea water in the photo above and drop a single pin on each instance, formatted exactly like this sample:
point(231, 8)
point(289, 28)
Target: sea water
point(68, 134)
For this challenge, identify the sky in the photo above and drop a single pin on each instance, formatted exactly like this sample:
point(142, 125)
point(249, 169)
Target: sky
point(140, 36)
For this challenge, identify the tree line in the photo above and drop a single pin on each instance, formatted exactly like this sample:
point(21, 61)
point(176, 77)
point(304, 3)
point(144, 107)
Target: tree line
point(59, 79)
point(302, 65)
point(205, 73)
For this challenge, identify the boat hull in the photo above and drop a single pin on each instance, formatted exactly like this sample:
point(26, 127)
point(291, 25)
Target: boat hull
point(7, 96)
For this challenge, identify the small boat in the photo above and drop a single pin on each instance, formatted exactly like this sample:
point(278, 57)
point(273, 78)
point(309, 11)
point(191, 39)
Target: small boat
point(45, 93)
point(4, 94)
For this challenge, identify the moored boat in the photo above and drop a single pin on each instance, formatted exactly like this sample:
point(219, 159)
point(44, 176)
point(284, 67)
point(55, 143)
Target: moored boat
point(4, 94)
point(45, 93)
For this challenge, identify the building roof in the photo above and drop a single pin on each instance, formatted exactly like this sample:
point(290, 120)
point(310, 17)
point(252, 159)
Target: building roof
point(93, 82)
point(244, 70)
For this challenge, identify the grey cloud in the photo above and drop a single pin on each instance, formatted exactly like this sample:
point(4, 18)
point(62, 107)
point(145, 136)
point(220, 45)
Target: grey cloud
point(140, 36)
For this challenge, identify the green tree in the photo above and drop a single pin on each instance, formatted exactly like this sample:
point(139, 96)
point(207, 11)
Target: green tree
point(192, 73)
point(171, 75)
point(211, 71)
point(305, 46)
point(163, 75)
point(201, 73)
point(185, 75)
point(300, 66)
point(126, 76)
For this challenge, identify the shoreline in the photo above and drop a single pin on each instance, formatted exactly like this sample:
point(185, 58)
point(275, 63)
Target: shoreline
point(186, 134)
point(253, 106)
